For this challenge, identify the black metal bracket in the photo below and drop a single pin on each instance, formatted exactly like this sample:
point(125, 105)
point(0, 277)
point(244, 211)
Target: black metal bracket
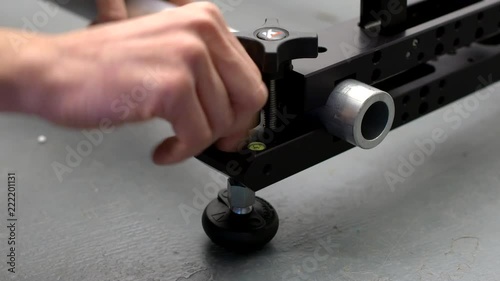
point(443, 53)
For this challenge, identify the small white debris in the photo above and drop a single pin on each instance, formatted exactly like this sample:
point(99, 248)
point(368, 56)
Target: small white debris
point(42, 139)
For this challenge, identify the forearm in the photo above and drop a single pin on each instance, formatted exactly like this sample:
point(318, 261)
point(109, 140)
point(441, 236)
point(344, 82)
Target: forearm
point(20, 74)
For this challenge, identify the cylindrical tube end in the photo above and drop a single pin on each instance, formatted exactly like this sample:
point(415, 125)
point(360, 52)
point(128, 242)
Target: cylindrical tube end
point(358, 113)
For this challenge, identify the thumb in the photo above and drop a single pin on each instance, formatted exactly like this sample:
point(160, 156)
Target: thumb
point(110, 10)
point(181, 2)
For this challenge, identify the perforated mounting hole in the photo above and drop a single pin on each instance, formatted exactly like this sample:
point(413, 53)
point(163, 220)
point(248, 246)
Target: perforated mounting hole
point(376, 74)
point(424, 92)
point(406, 100)
point(479, 33)
point(322, 49)
point(377, 56)
point(375, 120)
point(440, 32)
point(267, 169)
point(439, 49)
point(442, 84)
point(420, 57)
point(480, 16)
point(456, 42)
point(424, 107)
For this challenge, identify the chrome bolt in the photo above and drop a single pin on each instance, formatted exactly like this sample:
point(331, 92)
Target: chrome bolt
point(240, 197)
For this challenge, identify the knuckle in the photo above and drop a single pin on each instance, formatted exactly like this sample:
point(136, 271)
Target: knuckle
point(211, 9)
point(259, 98)
point(208, 19)
point(223, 125)
point(204, 23)
point(179, 83)
point(251, 66)
point(255, 68)
point(228, 122)
point(193, 50)
point(205, 136)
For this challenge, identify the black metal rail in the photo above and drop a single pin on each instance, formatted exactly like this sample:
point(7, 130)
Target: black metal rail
point(425, 60)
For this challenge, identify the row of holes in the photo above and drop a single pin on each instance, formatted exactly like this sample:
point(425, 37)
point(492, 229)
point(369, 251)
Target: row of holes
point(439, 49)
point(424, 105)
point(424, 91)
point(423, 108)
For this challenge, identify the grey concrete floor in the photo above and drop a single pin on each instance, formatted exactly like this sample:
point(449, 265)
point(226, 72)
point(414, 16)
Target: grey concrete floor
point(116, 216)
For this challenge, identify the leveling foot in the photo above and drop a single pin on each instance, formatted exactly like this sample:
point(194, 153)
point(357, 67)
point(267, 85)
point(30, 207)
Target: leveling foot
point(239, 221)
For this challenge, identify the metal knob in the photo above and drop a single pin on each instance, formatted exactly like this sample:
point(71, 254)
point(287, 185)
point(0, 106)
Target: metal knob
point(271, 46)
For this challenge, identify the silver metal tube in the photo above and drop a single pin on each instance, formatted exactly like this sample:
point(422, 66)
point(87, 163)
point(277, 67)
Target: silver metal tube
point(358, 113)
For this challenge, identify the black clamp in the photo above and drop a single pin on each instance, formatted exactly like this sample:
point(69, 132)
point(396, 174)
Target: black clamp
point(272, 47)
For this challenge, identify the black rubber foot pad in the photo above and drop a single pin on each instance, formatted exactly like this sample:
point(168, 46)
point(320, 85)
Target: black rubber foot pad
point(240, 232)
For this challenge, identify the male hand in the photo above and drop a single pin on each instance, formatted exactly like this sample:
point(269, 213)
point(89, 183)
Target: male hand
point(182, 65)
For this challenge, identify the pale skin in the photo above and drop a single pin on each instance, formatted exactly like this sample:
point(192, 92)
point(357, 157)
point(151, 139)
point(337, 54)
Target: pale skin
point(195, 73)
